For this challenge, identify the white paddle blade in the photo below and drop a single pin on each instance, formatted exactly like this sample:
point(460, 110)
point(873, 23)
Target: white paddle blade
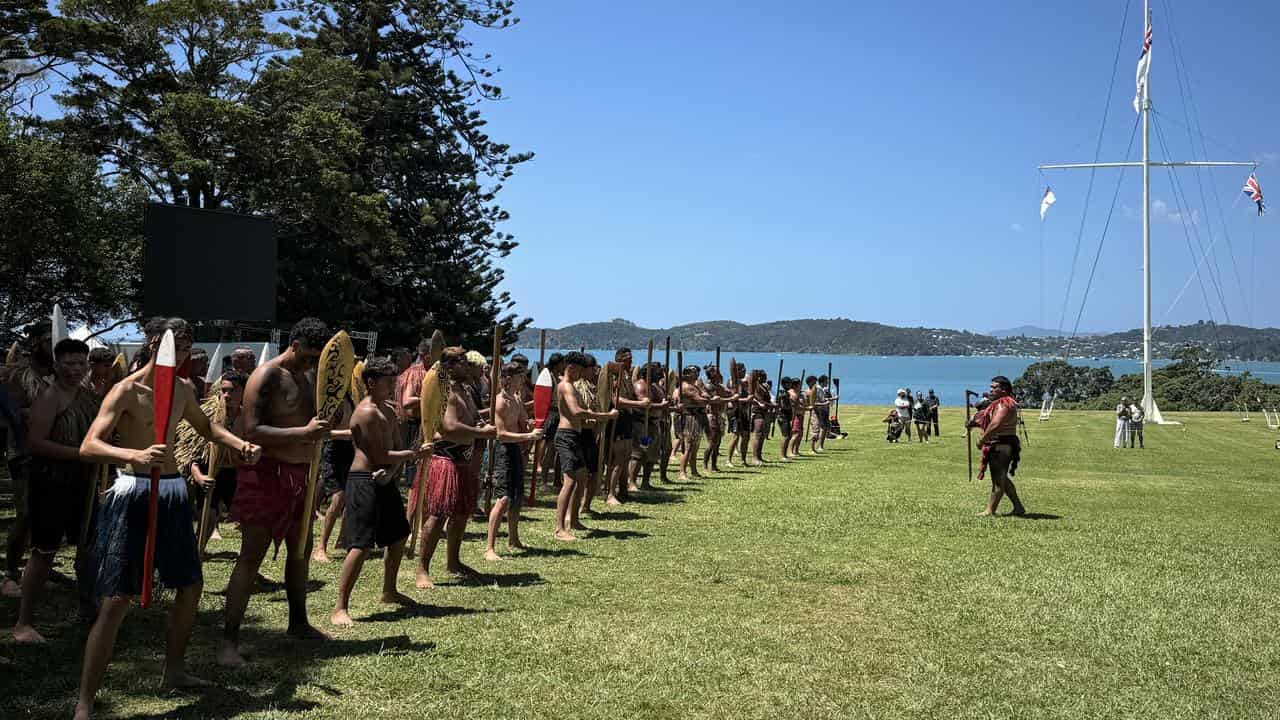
point(167, 356)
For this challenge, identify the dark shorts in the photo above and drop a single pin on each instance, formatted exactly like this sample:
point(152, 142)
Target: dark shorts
point(549, 427)
point(224, 488)
point(375, 513)
point(571, 449)
point(122, 536)
point(624, 426)
point(508, 473)
point(335, 462)
point(56, 502)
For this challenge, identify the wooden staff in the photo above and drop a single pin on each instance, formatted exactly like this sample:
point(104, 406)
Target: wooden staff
point(219, 417)
point(542, 350)
point(494, 378)
point(779, 386)
point(968, 431)
point(666, 377)
point(646, 439)
point(837, 384)
point(603, 392)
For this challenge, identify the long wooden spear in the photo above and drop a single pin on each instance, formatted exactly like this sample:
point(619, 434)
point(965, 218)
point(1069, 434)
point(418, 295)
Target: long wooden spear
point(495, 377)
point(779, 388)
point(968, 431)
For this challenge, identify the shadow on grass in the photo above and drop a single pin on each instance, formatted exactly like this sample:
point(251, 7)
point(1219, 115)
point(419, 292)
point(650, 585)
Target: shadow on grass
point(1037, 516)
point(657, 497)
point(595, 533)
point(534, 552)
point(420, 610)
point(623, 516)
point(483, 579)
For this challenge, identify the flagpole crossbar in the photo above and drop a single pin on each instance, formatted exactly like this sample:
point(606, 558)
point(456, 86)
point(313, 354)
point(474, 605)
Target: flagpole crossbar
point(1153, 163)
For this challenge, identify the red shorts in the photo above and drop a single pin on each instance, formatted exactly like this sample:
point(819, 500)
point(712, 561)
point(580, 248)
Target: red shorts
point(797, 424)
point(270, 494)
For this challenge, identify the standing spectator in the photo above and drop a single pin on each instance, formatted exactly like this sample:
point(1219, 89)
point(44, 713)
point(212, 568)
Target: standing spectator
point(903, 405)
point(199, 368)
point(1122, 423)
point(1136, 418)
point(243, 361)
point(920, 413)
point(934, 404)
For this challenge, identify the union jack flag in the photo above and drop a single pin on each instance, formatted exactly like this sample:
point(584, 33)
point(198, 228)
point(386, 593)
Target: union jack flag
point(1254, 191)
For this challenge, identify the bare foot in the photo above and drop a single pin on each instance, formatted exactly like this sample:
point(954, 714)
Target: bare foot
point(517, 545)
point(613, 502)
point(342, 619)
point(307, 632)
point(83, 713)
point(986, 513)
point(730, 464)
point(682, 477)
point(423, 582)
point(10, 589)
point(230, 657)
point(183, 679)
point(565, 535)
point(320, 556)
point(491, 555)
point(215, 535)
point(396, 597)
point(633, 488)
point(27, 634)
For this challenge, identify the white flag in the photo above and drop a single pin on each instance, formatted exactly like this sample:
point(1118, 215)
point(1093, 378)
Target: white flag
point(1144, 67)
point(1046, 201)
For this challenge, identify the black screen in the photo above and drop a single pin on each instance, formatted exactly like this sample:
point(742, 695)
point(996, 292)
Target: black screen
point(209, 265)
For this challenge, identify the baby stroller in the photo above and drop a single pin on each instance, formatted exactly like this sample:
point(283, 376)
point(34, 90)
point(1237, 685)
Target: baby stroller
point(894, 430)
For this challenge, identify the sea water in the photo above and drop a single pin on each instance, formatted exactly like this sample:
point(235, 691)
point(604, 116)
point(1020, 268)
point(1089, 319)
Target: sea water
point(875, 380)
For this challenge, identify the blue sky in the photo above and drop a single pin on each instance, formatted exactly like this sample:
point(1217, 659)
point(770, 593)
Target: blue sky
point(762, 161)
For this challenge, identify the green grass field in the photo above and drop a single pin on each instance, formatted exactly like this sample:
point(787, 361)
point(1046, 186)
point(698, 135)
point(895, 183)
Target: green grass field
point(858, 584)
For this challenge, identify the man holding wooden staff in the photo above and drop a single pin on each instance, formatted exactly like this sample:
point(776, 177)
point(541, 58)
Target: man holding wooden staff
point(279, 414)
point(127, 415)
point(59, 480)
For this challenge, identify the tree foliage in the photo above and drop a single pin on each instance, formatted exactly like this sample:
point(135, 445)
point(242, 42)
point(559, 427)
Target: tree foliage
point(70, 237)
point(356, 126)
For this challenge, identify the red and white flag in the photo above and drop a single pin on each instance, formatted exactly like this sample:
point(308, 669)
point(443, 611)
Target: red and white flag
point(1254, 191)
point(1144, 68)
point(1046, 201)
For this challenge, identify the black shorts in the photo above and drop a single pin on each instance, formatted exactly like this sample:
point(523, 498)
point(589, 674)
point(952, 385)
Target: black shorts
point(624, 426)
point(508, 473)
point(550, 424)
point(56, 501)
point(571, 448)
point(375, 513)
point(224, 488)
point(335, 462)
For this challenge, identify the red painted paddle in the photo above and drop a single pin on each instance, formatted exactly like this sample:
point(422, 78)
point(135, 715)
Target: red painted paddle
point(162, 403)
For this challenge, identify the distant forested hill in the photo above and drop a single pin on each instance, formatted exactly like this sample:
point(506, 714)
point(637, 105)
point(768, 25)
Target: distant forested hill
point(850, 337)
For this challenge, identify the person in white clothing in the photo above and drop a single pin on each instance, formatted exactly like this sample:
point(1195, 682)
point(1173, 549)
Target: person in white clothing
point(1136, 418)
point(903, 404)
point(1122, 423)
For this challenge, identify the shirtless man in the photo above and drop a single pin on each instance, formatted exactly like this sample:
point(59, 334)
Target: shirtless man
point(760, 406)
point(375, 511)
point(127, 412)
point(514, 434)
point(643, 455)
point(451, 481)
point(570, 440)
point(718, 398)
point(1001, 449)
point(739, 414)
point(60, 417)
point(693, 405)
point(279, 414)
point(795, 396)
point(24, 384)
point(630, 415)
